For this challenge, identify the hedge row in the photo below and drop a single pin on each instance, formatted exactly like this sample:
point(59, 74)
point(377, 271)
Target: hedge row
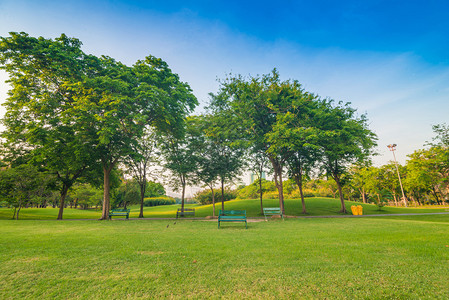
point(155, 201)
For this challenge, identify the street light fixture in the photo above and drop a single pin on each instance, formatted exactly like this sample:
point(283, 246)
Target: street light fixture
point(392, 148)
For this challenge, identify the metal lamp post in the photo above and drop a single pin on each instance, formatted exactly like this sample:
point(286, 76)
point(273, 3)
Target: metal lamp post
point(392, 147)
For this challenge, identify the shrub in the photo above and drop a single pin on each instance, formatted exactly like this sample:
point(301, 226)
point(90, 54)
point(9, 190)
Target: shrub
point(297, 195)
point(205, 196)
point(271, 195)
point(252, 191)
point(156, 201)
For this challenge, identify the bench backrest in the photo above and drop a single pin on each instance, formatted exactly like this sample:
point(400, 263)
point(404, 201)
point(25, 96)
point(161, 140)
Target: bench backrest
point(272, 210)
point(120, 210)
point(232, 213)
point(186, 209)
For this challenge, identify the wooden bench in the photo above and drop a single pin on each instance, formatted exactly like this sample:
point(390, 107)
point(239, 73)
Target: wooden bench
point(119, 212)
point(272, 211)
point(186, 212)
point(232, 216)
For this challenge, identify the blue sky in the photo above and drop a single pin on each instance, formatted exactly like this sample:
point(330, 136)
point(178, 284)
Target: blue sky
point(388, 58)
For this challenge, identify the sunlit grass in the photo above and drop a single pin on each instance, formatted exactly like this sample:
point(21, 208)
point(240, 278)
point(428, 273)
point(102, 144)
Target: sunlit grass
point(388, 257)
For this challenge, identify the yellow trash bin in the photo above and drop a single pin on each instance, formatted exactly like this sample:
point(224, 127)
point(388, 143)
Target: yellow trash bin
point(357, 210)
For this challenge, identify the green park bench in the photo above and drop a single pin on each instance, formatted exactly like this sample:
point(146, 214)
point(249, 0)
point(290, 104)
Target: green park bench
point(272, 211)
point(186, 212)
point(119, 212)
point(232, 216)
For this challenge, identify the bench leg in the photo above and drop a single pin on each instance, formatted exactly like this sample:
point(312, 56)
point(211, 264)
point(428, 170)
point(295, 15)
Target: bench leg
point(246, 225)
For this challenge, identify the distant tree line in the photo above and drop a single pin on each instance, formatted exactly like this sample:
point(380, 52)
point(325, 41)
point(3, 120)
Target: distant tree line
point(425, 176)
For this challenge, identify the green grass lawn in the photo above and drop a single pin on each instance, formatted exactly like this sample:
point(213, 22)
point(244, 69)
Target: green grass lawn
point(315, 207)
point(371, 258)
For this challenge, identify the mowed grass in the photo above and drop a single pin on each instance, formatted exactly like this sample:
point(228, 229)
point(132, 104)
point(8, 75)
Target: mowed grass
point(315, 207)
point(370, 258)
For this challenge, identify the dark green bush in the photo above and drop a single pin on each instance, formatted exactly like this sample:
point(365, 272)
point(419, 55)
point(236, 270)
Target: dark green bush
point(252, 191)
point(156, 201)
point(205, 196)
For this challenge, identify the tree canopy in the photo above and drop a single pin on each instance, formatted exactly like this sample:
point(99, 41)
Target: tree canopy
point(94, 107)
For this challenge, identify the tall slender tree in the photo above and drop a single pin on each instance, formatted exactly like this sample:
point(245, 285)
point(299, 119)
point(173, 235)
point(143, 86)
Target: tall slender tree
point(180, 154)
point(207, 170)
point(139, 162)
point(258, 164)
point(223, 137)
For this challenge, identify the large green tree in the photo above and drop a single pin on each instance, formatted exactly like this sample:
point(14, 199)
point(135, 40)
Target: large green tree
point(254, 104)
point(120, 100)
point(38, 127)
point(101, 103)
point(295, 136)
point(345, 140)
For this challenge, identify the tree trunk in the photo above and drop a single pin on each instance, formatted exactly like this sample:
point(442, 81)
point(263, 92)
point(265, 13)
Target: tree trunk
point(213, 200)
point(340, 192)
point(298, 179)
point(17, 215)
point(261, 193)
point(281, 192)
point(106, 193)
point(222, 194)
point(278, 181)
point(142, 196)
point(363, 195)
point(183, 182)
point(436, 196)
point(64, 190)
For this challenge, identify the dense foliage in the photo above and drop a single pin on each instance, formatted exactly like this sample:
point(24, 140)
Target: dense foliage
point(70, 112)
